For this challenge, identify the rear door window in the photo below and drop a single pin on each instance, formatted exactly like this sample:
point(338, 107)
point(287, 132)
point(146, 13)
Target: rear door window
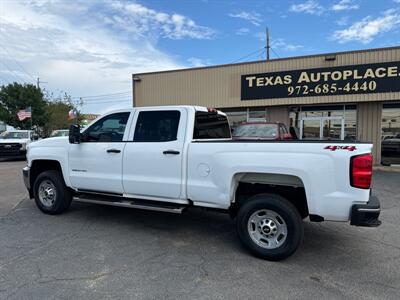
point(211, 126)
point(157, 126)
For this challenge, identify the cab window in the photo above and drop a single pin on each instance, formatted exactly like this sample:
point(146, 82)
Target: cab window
point(111, 128)
point(211, 126)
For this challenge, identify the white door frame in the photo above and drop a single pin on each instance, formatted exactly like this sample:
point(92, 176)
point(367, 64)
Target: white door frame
point(321, 121)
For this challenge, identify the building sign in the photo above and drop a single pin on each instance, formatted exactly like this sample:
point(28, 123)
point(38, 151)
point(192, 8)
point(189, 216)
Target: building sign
point(357, 79)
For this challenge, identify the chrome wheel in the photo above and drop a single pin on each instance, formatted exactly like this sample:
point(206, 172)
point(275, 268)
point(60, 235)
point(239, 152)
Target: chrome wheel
point(47, 193)
point(267, 229)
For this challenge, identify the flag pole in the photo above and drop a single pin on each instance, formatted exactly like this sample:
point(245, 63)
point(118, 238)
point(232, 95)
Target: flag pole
point(31, 119)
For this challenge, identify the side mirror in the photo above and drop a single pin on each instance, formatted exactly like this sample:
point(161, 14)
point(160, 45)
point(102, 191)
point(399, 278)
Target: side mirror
point(74, 134)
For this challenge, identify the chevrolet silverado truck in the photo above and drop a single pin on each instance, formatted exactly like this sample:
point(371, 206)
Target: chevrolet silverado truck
point(13, 143)
point(173, 158)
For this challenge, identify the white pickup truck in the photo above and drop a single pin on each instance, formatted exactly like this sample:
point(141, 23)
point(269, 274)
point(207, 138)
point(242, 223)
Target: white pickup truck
point(176, 157)
point(13, 143)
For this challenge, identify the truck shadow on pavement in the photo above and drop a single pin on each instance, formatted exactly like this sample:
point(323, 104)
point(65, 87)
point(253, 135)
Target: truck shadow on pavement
point(197, 251)
point(328, 241)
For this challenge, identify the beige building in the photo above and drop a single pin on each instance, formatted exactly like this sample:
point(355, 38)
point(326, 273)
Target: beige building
point(336, 96)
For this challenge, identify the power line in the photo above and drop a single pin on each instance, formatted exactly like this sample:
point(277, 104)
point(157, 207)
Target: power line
point(17, 63)
point(105, 98)
point(101, 102)
point(249, 55)
point(38, 82)
point(12, 71)
point(275, 53)
point(101, 95)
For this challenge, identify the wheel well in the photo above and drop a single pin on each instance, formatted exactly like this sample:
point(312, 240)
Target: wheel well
point(39, 166)
point(295, 194)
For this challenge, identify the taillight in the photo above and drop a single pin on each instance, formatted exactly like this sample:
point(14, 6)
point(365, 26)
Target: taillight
point(361, 171)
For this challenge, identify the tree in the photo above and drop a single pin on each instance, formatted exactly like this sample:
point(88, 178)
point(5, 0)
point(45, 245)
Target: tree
point(16, 96)
point(57, 110)
point(58, 116)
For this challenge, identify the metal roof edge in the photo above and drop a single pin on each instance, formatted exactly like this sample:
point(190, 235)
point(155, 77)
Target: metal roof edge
point(271, 60)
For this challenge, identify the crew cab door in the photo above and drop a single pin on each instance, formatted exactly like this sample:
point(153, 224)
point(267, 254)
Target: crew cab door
point(153, 156)
point(96, 163)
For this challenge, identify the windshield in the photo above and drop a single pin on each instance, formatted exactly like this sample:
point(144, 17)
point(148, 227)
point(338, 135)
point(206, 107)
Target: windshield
point(14, 135)
point(256, 130)
point(56, 133)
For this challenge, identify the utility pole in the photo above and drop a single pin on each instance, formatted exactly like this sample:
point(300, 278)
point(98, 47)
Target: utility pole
point(38, 82)
point(267, 46)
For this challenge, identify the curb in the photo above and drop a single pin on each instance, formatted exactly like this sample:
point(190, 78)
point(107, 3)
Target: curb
point(387, 169)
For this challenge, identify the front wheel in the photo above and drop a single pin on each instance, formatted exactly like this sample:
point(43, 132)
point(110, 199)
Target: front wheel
point(51, 194)
point(270, 226)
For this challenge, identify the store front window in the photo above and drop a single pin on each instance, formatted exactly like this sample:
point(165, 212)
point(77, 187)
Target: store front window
point(240, 115)
point(256, 114)
point(325, 122)
point(390, 134)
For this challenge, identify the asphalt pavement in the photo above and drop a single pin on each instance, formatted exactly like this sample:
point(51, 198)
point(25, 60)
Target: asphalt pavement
point(102, 252)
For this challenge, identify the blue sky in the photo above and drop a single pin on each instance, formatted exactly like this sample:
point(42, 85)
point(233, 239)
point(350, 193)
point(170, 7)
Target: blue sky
point(91, 48)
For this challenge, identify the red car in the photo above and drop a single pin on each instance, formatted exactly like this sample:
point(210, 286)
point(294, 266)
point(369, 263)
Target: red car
point(261, 131)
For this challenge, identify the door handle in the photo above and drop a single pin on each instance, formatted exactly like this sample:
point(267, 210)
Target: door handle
point(113, 151)
point(171, 152)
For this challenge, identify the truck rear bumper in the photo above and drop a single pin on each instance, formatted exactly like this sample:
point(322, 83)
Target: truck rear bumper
point(366, 214)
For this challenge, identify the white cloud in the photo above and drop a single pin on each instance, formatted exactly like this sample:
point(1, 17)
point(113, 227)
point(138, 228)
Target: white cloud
point(311, 7)
point(344, 5)
point(281, 44)
point(142, 20)
point(253, 17)
point(342, 21)
point(242, 31)
point(71, 46)
point(198, 62)
point(368, 28)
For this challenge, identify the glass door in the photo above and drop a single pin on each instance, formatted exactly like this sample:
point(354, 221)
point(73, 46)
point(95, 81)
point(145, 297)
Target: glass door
point(332, 128)
point(310, 129)
point(322, 128)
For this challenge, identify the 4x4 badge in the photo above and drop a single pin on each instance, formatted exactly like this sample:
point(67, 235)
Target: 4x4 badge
point(334, 148)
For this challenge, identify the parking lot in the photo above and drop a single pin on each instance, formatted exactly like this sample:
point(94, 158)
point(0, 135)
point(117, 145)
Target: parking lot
point(108, 252)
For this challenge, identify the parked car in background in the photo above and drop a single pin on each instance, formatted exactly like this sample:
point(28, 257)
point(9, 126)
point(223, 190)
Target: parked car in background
point(387, 136)
point(261, 131)
point(13, 143)
point(391, 150)
point(60, 132)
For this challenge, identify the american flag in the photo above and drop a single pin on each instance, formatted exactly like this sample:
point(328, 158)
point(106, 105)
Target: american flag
point(25, 113)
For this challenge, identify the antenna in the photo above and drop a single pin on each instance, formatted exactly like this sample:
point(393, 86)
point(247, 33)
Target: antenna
point(267, 46)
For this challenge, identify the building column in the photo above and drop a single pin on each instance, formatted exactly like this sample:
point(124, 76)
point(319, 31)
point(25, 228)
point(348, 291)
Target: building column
point(278, 114)
point(369, 117)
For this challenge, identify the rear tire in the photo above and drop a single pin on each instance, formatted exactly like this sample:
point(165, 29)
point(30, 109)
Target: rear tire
point(270, 226)
point(51, 194)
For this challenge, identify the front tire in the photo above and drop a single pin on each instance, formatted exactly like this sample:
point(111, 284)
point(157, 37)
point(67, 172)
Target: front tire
point(51, 194)
point(270, 226)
